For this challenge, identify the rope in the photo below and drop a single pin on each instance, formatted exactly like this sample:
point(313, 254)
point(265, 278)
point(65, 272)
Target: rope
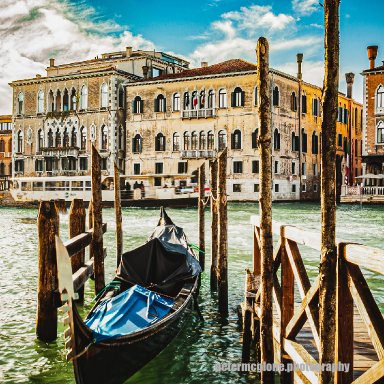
point(83, 351)
point(195, 247)
point(113, 284)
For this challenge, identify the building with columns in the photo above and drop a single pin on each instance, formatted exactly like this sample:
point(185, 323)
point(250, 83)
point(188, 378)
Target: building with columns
point(5, 151)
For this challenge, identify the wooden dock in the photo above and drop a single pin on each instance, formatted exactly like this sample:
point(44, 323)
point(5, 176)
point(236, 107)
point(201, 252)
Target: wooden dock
point(359, 336)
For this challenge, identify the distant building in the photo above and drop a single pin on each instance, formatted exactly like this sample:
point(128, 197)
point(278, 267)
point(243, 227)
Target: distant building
point(177, 121)
point(58, 117)
point(5, 151)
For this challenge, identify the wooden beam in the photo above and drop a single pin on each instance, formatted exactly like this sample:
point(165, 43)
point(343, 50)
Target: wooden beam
point(47, 228)
point(77, 227)
point(256, 252)
point(265, 203)
point(201, 216)
point(118, 216)
point(222, 278)
point(214, 225)
point(373, 375)
point(97, 238)
point(367, 257)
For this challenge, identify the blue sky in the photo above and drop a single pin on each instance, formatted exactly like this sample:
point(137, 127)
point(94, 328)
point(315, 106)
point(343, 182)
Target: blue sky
point(31, 31)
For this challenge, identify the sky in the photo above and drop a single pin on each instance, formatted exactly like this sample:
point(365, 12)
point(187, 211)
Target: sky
point(32, 31)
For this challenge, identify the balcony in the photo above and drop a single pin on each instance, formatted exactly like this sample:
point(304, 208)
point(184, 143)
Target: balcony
point(198, 154)
point(60, 152)
point(198, 113)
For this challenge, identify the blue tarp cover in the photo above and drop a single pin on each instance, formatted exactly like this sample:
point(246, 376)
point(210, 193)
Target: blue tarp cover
point(128, 312)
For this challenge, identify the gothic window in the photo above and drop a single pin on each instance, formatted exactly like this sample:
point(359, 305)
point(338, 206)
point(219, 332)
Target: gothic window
point(84, 97)
point(40, 102)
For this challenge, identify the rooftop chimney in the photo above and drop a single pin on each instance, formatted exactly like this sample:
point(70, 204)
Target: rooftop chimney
point(349, 78)
point(128, 51)
point(145, 71)
point(204, 64)
point(51, 62)
point(372, 54)
point(299, 57)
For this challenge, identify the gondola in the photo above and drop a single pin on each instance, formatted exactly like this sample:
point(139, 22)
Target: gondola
point(138, 313)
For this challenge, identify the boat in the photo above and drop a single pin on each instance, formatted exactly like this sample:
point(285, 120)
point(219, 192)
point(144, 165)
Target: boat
point(138, 314)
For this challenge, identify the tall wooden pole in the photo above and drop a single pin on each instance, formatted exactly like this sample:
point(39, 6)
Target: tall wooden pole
point(201, 208)
point(265, 202)
point(77, 226)
point(327, 290)
point(97, 238)
point(214, 225)
point(222, 265)
point(47, 228)
point(118, 215)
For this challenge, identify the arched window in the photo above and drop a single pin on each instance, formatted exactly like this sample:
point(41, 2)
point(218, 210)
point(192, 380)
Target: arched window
point(73, 100)
point(176, 142)
point(237, 97)
point(20, 103)
point(83, 138)
point(304, 103)
point(20, 142)
point(186, 100)
point(176, 102)
point(121, 138)
point(66, 138)
point(40, 101)
point(256, 96)
point(2, 146)
point(73, 137)
point(275, 96)
point(211, 99)
point(137, 105)
point(223, 98)
point(160, 142)
point(187, 141)
point(293, 102)
point(202, 140)
point(58, 138)
point(194, 140)
point(304, 141)
point(202, 100)
point(40, 140)
point(84, 97)
point(51, 101)
point(58, 101)
point(160, 103)
point(195, 101)
point(276, 140)
point(222, 140)
point(50, 138)
point(137, 144)
point(104, 137)
point(65, 100)
point(10, 149)
point(380, 97)
point(380, 132)
point(121, 96)
point(104, 96)
point(315, 144)
point(236, 139)
point(255, 138)
point(210, 140)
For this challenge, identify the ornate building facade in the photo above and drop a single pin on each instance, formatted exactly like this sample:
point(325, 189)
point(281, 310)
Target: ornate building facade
point(5, 151)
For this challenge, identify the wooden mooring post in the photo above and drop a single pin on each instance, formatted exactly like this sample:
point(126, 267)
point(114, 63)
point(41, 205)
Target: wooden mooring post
point(118, 216)
point(47, 228)
point(201, 215)
point(222, 265)
point(265, 202)
point(76, 227)
point(214, 225)
point(97, 238)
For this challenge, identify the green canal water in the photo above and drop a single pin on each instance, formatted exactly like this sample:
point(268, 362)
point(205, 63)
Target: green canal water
point(191, 356)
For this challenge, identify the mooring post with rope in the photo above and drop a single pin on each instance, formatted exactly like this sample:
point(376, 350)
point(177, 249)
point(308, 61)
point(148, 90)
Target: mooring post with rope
point(201, 213)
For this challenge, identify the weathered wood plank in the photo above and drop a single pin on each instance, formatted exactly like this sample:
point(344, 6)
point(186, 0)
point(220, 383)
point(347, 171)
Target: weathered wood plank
point(118, 216)
point(201, 216)
point(372, 375)
point(367, 257)
point(214, 225)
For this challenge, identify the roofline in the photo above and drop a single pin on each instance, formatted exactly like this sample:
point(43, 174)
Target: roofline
point(371, 71)
point(49, 79)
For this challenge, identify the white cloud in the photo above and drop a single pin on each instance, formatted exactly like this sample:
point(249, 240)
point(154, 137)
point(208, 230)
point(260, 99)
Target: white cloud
point(305, 7)
point(32, 31)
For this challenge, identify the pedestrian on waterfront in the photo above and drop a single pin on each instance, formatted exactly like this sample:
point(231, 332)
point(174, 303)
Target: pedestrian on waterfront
point(141, 186)
point(136, 185)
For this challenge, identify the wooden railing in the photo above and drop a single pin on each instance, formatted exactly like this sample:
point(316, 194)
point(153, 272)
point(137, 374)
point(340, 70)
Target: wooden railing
point(290, 317)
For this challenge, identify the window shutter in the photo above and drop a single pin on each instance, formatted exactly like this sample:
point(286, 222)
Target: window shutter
point(242, 98)
point(165, 105)
point(254, 139)
point(156, 107)
point(233, 99)
point(141, 106)
point(233, 141)
point(134, 109)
